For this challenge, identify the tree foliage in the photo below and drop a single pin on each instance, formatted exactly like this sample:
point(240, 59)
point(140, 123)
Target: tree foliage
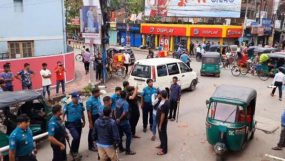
point(73, 8)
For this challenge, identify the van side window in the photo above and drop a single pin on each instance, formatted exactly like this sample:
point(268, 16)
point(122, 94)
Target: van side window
point(172, 69)
point(184, 68)
point(161, 70)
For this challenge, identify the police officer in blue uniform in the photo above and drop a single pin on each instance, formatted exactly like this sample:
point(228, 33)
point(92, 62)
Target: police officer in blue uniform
point(122, 119)
point(21, 143)
point(146, 103)
point(57, 134)
point(116, 96)
point(93, 105)
point(74, 111)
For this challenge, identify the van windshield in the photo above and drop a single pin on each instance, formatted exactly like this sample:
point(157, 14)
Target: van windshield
point(142, 71)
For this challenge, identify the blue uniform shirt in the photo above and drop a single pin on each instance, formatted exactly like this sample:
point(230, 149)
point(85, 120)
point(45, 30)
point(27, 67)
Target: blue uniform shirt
point(115, 97)
point(175, 92)
point(147, 93)
point(184, 58)
point(93, 105)
point(54, 124)
point(21, 141)
point(74, 112)
point(121, 103)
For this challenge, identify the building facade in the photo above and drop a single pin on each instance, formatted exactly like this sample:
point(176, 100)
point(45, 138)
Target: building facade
point(32, 28)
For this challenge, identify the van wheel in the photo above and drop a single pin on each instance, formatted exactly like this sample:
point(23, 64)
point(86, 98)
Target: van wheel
point(193, 85)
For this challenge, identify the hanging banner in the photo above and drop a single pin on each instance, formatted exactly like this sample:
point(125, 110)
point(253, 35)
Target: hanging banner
point(193, 8)
point(90, 25)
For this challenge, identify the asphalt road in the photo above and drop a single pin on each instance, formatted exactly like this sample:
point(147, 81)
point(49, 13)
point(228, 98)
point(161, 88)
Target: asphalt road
point(187, 139)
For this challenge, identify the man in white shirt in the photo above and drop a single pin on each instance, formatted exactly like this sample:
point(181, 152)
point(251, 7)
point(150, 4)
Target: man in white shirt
point(278, 81)
point(46, 82)
point(127, 61)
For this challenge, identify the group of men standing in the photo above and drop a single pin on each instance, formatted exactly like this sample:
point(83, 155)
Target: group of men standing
point(109, 121)
point(26, 74)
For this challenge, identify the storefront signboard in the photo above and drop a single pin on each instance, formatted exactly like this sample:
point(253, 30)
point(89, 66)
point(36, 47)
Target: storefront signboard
point(234, 33)
point(206, 32)
point(160, 30)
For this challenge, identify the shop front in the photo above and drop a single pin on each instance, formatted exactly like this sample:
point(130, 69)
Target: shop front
point(113, 34)
point(135, 36)
point(166, 36)
point(121, 34)
point(170, 35)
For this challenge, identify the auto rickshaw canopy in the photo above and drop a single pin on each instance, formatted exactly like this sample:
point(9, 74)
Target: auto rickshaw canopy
point(277, 55)
point(9, 98)
point(234, 94)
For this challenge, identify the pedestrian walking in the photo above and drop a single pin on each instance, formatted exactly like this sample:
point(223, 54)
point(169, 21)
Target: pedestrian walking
point(281, 142)
point(106, 134)
point(185, 58)
point(93, 106)
point(86, 60)
point(57, 134)
point(175, 94)
point(162, 113)
point(122, 119)
point(150, 54)
point(278, 81)
point(46, 81)
point(146, 104)
point(99, 66)
point(2, 85)
point(156, 102)
point(60, 77)
point(25, 76)
point(134, 109)
point(74, 112)
point(21, 142)
point(127, 61)
point(8, 77)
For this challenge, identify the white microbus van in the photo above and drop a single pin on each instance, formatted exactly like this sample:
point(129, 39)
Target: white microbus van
point(162, 70)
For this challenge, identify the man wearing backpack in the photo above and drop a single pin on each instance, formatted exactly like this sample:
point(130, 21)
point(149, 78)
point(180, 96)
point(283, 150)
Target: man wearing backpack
point(121, 115)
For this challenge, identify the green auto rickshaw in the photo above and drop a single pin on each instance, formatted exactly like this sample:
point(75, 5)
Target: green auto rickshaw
point(26, 102)
point(211, 64)
point(230, 120)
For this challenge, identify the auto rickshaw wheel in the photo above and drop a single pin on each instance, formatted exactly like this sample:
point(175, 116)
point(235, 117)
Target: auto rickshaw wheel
point(235, 71)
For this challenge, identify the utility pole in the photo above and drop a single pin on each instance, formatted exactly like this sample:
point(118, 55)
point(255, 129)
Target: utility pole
point(245, 19)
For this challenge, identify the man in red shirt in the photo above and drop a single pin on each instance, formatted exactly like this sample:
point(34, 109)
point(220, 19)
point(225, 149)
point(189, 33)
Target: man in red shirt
point(59, 71)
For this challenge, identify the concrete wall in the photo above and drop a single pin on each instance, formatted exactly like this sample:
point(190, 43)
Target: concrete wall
point(41, 21)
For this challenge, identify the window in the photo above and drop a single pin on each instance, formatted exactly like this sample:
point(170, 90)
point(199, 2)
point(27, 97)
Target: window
point(161, 71)
point(184, 68)
point(173, 69)
point(224, 112)
point(142, 71)
point(21, 49)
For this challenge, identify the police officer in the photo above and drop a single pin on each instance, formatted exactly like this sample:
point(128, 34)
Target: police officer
point(75, 113)
point(93, 105)
point(146, 103)
point(121, 115)
point(21, 143)
point(57, 135)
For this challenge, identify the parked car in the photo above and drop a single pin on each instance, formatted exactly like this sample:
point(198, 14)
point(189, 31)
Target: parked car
point(115, 50)
point(162, 70)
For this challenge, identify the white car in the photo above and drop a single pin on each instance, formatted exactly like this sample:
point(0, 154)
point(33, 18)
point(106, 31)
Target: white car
point(162, 70)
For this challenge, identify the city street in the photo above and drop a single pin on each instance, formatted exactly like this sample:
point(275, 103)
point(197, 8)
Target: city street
point(187, 139)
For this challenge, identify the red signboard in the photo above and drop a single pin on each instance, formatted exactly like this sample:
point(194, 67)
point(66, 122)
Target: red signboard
point(234, 33)
point(206, 32)
point(160, 30)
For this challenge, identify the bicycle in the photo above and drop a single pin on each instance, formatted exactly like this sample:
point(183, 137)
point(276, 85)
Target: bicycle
point(262, 71)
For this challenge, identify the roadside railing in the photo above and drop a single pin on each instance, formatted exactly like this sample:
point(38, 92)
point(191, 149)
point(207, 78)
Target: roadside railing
point(6, 148)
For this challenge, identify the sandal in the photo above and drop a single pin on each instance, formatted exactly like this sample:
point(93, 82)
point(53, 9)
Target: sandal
point(158, 147)
point(161, 153)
